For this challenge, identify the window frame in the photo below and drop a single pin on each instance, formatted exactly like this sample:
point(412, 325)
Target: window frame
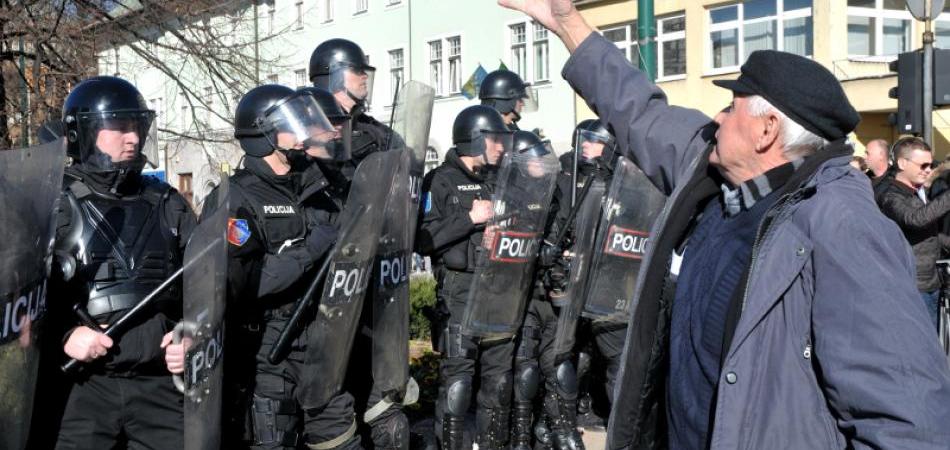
point(738, 24)
point(356, 7)
point(298, 20)
point(393, 69)
point(444, 84)
point(880, 14)
point(301, 75)
point(662, 38)
point(326, 11)
point(529, 45)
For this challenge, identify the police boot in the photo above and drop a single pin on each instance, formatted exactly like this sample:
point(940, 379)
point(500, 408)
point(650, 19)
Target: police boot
point(521, 426)
point(586, 417)
point(493, 429)
point(542, 434)
point(453, 431)
point(564, 428)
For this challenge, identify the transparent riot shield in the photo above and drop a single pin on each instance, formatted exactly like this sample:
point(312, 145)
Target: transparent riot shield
point(632, 204)
point(411, 122)
point(330, 336)
point(582, 253)
point(505, 260)
point(204, 291)
point(30, 183)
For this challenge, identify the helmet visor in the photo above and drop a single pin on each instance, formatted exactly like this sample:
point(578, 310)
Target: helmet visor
point(591, 144)
point(493, 145)
point(355, 81)
point(335, 146)
point(529, 100)
point(297, 123)
point(109, 140)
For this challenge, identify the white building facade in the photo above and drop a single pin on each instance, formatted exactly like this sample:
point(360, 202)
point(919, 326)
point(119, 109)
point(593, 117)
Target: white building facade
point(437, 42)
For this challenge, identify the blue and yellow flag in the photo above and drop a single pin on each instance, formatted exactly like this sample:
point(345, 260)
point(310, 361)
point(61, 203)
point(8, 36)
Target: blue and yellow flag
point(470, 89)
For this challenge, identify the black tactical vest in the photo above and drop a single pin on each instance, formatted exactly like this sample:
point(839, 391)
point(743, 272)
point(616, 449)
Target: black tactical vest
point(125, 248)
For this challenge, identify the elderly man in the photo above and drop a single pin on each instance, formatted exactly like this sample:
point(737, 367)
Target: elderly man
point(877, 159)
point(773, 329)
point(904, 200)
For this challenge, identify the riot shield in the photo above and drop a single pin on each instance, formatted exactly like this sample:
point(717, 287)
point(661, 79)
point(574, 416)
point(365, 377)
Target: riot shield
point(204, 288)
point(330, 336)
point(30, 183)
point(632, 204)
point(585, 233)
point(412, 118)
point(505, 260)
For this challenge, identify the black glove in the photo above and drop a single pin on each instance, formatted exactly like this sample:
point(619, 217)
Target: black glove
point(320, 239)
point(555, 278)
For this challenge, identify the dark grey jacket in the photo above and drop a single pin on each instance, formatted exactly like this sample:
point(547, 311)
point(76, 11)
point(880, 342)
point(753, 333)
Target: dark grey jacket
point(921, 226)
point(833, 348)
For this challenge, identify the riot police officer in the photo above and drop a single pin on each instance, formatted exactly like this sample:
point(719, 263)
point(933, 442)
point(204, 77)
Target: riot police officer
point(508, 94)
point(562, 373)
point(340, 67)
point(119, 236)
point(281, 226)
point(456, 207)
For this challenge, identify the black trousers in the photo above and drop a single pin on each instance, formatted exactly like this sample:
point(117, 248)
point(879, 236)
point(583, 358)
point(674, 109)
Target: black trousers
point(142, 412)
point(462, 358)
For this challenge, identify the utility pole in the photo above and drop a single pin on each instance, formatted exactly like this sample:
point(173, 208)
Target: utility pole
point(928, 78)
point(646, 38)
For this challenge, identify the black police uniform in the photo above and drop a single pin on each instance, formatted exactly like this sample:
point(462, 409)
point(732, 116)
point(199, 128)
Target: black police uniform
point(269, 269)
point(134, 233)
point(448, 235)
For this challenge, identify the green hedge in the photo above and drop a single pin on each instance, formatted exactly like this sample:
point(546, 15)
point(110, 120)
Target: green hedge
point(421, 297)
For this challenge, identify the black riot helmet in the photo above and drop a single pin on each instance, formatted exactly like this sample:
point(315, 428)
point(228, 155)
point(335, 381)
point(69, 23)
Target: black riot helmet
point(109, 111)
point(528, 143)
point(340, 148)
point(332, 60)
point(502, 89)
point(593, 131)
point(478, 128)
point(274, 117)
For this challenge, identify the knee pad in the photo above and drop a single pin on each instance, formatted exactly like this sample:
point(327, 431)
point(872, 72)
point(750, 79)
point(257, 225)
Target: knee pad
point(458, 396)
point(527, 379)
point(499, 389)
point(566, 377)
point(273, 421)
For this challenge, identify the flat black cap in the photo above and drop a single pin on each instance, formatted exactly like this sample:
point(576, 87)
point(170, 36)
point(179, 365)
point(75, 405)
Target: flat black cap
point(801, 88)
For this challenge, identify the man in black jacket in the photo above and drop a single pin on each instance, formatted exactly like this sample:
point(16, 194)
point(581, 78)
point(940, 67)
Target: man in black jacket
point(281, 227)
point(904, 201)
point(457, 204)
point(119, 235)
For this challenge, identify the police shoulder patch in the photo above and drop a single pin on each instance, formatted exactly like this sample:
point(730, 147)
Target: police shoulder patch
point(238, 231)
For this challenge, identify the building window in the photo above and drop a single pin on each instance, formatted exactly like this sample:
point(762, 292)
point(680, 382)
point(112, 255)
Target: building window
point(540, 52)
point(271, 15)
point(435, 66)
point(327, 11)
point(361, 6)
point(396, 66)
point(184, 187)
point(671, 46)
point(878, 27)
point(273, 79)
point(625, 38)
point(115, 59)
point(298, 22)
point(942, 28)
point(393, 2)
point(157, 105)
point(209, 102)
point(455, 64)
point(519, 56)
point(738, 30)
point(300, 76)
point(184, 116)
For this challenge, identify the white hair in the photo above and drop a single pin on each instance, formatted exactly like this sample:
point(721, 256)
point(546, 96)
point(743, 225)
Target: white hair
point(796, 140)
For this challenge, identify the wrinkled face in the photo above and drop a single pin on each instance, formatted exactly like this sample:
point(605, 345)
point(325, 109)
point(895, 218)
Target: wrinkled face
point(494, 148)
point(357, 83)
point(592, 149)
point(735, 151)
point(916, 168)
point(119, 139)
